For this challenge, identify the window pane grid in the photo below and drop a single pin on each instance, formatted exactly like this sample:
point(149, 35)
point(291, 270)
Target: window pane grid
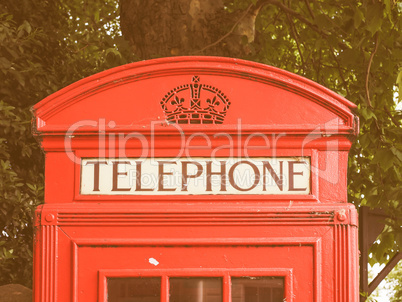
point(257, 289)
point(203, 289)
point(196, 289)
point(134, 289)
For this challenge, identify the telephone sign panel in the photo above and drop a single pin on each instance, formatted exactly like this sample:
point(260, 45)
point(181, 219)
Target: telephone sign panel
point(199, 176)
point(195, 179)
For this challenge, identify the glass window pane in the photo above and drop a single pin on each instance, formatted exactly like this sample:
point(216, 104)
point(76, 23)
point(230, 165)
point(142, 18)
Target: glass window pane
point(134, 289)
point(257, 289)
point(195, 290)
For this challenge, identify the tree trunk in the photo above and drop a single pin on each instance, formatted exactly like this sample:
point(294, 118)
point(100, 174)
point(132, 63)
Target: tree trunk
point(161, 28)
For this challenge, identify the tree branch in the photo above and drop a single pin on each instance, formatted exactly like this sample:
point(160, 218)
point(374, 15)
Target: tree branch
point(330, 19)
point(300, 17)
point(295, 14)
point(228, 33)
point(82, 48)
point(309, 9)
point(318, 69)
point(393, 119)
point(368, 71)
point(292, 26)
point(340, 71)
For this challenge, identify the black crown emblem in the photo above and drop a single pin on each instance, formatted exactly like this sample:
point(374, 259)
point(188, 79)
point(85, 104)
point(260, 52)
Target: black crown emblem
point(195, 103)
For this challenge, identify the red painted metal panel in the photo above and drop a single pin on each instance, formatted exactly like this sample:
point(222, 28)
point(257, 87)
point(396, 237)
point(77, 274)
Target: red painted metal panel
point(303, 243)
point(81, 240)
point(264, 92)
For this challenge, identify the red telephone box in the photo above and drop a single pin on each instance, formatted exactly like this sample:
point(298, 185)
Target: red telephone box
point(196, 179)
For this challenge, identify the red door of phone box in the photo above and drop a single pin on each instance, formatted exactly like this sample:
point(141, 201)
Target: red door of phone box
point(195, 179)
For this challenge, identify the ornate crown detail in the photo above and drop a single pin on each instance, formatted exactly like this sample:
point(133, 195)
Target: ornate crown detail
point(195, 103)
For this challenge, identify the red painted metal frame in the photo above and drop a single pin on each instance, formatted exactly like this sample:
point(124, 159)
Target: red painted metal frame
point(293, 116)
point(71, 173)
point(227, 68)
point(68, 231)
point(225, 274)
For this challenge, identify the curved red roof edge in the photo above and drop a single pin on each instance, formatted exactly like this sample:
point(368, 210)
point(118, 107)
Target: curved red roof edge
point(61, 98)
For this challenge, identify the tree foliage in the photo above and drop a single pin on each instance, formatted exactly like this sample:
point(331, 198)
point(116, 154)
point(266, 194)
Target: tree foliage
point(43, 47)
point(351, 47)
point(394, 279)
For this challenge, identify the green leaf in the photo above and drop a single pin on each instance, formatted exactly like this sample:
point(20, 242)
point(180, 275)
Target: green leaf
point(358, 17)
point(96, 16)
point(25, 26)
point(367, 113)
point(113, 51)
point(397, 153)
point(385, 158)
point(388, 11)
point(365, 140)
point(399, 83)
point(374, 18)
point(18, 76)
point(323, 21)
point(4, 63)
point(32, 187)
